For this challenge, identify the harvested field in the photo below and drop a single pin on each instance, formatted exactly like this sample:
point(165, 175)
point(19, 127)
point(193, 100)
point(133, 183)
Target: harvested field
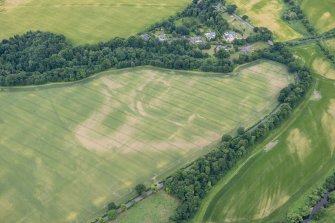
point(84, 21)
point(78, 146)
point(267, 13)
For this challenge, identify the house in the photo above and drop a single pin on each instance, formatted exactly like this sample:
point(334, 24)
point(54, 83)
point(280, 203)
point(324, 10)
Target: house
point(210, 35)
point(219, 6)
point(223, 47)
point(145, 36)
point(162, 38)
point(230, 36)
point(196, 40)
point(270, 43)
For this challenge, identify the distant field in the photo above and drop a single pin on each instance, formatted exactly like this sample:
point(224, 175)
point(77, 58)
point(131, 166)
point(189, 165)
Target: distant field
point(288, 164)
point(78, 147)
point(157, 208)
point(331, 44)
point(320, 13)
point(328, 217)
point(267, 13)
point(84, 21)
point(312, 56)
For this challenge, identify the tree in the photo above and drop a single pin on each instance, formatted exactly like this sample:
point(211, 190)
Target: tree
point(101, 220)
point(140, 189)
point(111, 206)
point(226, 138)
point(222, 54)
point(332, 198)
point(245, 17)
point(240, 131)
point(112, 214)
point(231, 9)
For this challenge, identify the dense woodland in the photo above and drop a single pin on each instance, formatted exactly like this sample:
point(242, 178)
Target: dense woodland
point(41, 57)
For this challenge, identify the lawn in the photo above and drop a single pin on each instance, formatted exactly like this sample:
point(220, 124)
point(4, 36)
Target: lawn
point(84, 21)
point(79, 146)
point(311, 55)
point(284, 167)
point(320, 13)
point(267, 13)
point(157, 208)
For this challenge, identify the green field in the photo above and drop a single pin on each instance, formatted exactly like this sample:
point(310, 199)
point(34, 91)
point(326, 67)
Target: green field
point(311, 55)
point(331, 44)
point(84, 21)
point(284, 167)
point(328, 217)
point(267, 13)
point(157, 208)
point(320, 13)
point(79, 146)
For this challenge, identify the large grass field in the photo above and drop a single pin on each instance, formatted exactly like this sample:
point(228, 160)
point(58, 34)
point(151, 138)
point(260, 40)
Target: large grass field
point(267, 13)
point(84, 21)
point(320, 13)
point(292, 161)
point(156, 209)
point(68, 149)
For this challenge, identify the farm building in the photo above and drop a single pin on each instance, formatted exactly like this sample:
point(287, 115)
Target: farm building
point(210, 35)
point(230, 36)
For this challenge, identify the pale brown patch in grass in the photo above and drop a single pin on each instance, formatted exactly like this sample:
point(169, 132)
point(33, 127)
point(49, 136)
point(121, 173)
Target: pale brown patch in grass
point(298, 144)
point(140, 108)
point(11, 4)
point(72, 216)
point(324, 67)
point(269, 204)
point(99, 201)
point(328, 123)
point(325, 18)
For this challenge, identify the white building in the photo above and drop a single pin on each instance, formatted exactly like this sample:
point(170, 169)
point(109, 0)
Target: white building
point(230, 36)
point(210, 35)
point(196, 40)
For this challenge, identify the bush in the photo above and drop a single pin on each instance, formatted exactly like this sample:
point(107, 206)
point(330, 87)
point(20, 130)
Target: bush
point(111, 206)
point(112, 214)
point(140, 189)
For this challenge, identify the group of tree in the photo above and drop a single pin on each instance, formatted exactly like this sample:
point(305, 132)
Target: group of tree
point(192, 184)
point(41, 57)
